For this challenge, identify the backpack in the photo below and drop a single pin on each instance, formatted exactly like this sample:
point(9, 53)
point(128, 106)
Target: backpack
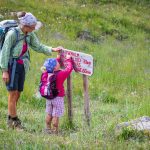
point(47, 87)
point(5, 26)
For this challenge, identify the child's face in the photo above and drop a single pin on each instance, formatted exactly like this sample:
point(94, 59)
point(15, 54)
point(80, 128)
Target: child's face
point(57, 66)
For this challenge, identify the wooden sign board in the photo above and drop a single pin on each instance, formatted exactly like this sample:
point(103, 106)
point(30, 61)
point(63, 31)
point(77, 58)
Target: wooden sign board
point(83, 63)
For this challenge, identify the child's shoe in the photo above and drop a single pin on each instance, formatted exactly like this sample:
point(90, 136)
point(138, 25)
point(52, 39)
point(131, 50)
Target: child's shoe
point(47, 131)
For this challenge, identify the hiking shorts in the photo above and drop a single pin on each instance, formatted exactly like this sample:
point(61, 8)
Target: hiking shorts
point(55, 107)
point(18, 83)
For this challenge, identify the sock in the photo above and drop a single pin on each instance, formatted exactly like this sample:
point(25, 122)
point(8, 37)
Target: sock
point(13, 118)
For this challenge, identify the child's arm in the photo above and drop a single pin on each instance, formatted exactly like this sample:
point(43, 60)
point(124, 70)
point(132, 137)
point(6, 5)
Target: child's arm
point(67, 70)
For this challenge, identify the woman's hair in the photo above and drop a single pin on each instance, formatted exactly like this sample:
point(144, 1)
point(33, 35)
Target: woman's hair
point(17, 15)
point(21, 14)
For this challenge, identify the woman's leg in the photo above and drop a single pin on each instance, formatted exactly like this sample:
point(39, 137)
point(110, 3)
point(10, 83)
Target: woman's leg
point(18, 96)
point(13, 120)
point(13, 97)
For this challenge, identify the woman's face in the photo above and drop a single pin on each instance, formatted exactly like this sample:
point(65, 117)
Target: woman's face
point(29, 28)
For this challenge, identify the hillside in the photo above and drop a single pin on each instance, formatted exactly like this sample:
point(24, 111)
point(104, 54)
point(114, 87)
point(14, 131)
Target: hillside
point(117, 35)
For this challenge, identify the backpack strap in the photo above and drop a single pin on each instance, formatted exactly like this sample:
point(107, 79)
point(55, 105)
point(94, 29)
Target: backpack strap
point(17, 38)
point(13, 64)
point(17, 41)
point(48, 79)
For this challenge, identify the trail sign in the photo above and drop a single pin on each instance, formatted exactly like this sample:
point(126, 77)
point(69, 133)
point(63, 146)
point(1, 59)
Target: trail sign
point(83, 63)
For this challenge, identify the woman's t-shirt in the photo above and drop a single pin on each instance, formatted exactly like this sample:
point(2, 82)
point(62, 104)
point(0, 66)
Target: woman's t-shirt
point(24, 49)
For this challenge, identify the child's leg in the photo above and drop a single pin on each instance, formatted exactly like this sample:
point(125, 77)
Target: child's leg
point(55, 122)
point(58, 110)
point(48, 121)
point(48, 118)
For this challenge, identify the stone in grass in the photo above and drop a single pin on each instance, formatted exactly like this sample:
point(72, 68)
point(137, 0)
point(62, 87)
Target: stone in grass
point(138, 127)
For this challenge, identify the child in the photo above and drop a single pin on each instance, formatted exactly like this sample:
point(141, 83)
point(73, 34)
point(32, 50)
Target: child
point(55, 107)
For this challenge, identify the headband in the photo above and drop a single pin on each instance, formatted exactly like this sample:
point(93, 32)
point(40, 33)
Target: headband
point(28, 20)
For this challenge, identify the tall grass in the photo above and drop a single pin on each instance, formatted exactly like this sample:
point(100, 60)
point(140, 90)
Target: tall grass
point(118, 89)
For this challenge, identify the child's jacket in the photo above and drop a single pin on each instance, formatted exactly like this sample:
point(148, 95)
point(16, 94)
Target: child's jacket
point(62, 76)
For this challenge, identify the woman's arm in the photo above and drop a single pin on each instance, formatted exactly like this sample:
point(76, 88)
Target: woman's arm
point(36, 45)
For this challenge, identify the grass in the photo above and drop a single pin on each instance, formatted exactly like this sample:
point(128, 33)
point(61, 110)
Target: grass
point(119, 88)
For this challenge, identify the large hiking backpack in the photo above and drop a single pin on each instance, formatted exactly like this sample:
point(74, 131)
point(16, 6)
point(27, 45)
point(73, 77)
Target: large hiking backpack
point(47, 87)
point(5, 26)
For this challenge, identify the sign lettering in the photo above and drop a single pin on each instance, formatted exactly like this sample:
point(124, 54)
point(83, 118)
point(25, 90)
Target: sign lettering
point(82, 63)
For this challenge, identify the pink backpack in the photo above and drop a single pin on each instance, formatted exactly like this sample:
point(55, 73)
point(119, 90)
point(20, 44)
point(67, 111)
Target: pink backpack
point(47, 87)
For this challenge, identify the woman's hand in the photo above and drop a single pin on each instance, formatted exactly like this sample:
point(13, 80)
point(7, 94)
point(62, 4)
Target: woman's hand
point(5, 77)
point(57, 49)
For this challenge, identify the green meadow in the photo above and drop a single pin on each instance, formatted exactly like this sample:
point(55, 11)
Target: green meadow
point(118, 38)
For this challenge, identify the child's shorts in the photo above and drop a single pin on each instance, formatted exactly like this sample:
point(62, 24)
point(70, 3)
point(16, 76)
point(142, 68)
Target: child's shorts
point(55, 107)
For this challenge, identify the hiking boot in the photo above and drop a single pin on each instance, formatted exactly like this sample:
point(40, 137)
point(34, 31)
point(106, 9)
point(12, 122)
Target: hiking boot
point(15, 123)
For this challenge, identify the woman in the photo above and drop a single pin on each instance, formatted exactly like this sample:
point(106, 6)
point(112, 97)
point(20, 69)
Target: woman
point(14, 62)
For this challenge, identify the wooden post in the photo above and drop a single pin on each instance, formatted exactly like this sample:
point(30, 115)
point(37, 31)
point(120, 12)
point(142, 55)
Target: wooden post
point(69, 97)
point(86, 99)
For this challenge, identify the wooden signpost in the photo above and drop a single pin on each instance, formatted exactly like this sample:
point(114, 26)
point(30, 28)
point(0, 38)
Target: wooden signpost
point(83, 64)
